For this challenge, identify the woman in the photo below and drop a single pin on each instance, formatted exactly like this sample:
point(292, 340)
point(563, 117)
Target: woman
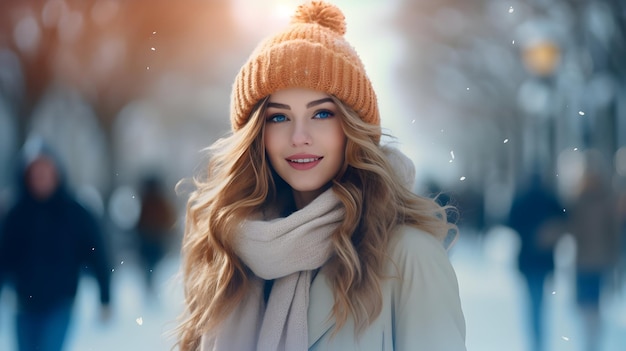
point(304, 234)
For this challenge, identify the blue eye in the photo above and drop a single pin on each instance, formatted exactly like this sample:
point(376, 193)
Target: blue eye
point(277, 118)
point(324, 114)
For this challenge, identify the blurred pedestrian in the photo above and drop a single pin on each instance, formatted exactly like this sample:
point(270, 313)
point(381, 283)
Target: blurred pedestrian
point(620, 274)
point(154, 228)
point(594, 225)
point(304, 232)
point(537, 216)
point(47, 239)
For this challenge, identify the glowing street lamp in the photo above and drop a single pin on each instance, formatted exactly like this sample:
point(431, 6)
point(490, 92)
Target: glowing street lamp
point(541, 57)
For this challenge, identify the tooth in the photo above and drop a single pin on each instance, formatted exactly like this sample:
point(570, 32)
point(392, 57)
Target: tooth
point(304, 160)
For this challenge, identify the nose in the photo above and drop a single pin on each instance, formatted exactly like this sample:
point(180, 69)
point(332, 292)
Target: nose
point(300, 135)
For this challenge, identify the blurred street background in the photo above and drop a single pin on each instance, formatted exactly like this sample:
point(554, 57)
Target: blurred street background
point(481, 94)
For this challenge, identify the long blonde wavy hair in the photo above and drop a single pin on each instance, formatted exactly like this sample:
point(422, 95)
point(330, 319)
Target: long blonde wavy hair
point(239, 181)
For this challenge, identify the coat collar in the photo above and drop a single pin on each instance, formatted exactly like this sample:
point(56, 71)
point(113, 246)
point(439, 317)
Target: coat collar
point(321, 301)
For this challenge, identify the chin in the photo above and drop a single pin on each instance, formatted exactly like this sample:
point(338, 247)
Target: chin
point(310, 188)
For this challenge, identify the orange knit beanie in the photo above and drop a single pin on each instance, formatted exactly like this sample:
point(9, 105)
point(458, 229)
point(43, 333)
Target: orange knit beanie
point(311, 53)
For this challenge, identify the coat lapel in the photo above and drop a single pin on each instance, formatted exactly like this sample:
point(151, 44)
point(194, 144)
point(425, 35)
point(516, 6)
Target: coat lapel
point(321, 302)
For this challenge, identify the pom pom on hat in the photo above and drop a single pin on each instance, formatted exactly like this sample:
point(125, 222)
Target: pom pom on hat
point(310, 53)
point(322, 13)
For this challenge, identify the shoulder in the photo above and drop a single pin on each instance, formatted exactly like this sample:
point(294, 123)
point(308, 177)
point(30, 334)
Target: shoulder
point(421, 263)
point(415, 244)
point(78, 212)
point(17, 212)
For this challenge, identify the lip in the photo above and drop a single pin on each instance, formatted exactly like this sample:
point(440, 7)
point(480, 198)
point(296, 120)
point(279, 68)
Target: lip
point(303, 162)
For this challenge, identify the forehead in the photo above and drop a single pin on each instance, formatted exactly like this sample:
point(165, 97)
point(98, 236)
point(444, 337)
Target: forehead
point(297, 94)
point(42, 163)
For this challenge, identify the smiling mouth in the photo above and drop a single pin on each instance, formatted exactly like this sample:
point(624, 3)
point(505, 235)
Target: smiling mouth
point(305, 160)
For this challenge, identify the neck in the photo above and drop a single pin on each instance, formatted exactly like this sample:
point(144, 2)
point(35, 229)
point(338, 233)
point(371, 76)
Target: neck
point(303, 198)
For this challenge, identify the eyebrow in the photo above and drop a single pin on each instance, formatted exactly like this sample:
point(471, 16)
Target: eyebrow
point(309, 105)
point(318, 102)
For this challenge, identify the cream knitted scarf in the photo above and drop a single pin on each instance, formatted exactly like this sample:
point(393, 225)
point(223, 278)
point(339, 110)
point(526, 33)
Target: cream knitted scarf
point(286, 250)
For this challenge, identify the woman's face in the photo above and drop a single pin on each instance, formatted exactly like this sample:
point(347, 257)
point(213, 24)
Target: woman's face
point(304, 140)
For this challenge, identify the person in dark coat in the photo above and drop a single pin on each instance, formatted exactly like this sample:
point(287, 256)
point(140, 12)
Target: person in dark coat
point(155, 227)
point(46, 240)
point(538, 218)
point(594, 225)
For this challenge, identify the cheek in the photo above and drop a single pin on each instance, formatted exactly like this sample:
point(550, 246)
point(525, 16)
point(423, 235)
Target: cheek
point(338, 139)
point(271, 144)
